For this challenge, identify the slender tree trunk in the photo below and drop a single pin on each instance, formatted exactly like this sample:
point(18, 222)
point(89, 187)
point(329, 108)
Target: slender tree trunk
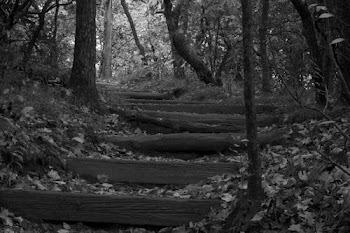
point(54, 47)
point(342, 12)
point(311, 39)
point(133, 30)
point(266, 76)
point(255, 191)
point(83, 77)
point(106, 62)
point(36, 33)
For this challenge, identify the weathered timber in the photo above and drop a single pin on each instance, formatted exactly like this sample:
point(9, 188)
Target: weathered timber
point(191, 142)
point(140, 95)
point(200, 108)
point(78, 207)
point(148, 172)
point(140, 101)
point(193, 123)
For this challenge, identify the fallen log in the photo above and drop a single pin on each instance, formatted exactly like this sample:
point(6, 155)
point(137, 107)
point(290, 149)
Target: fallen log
point(192, 142)
point(148, 172)
point(140, 101)
point(79, 207)
point(200, 108)
point(193, 123)
point(140, 95)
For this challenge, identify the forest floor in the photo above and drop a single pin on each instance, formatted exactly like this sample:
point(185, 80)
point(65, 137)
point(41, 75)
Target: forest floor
point(305, 175)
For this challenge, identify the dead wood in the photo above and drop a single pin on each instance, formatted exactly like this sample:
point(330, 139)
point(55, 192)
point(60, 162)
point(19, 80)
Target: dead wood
point(80, 207)
point(148, 172)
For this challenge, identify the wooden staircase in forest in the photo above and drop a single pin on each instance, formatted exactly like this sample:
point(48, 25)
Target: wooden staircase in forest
point(187, 127)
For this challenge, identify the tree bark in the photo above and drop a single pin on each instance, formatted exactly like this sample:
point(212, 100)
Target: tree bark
point(106, 62)
point(83, 77)
point(173, 122)
point(192, 142)
point(172, 20)
point(202, 71)
point(133, 30)
point(342, 12)
point(54, 46)
point(266, 75)
point(255, 191)
point(311, 39)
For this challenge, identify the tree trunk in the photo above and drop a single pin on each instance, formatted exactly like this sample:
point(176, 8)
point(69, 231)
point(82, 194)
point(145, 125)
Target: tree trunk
point(342, 12)
point(54, 46)
point(311, 39)
point(133, 30)
point(266, 76)
point(178, 40)
point(172, 20)
point(106, 62)
point(202, 71)
point(83, 78)
point(255, 191)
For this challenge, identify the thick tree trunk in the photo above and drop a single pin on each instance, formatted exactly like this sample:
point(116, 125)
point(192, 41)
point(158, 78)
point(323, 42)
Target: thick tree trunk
point(311, 39)
point(266, 76)
point(83, 78)
point(133, 29)
point(202, 71)
point(255, 191)
point(106, 62)
point(172, 17)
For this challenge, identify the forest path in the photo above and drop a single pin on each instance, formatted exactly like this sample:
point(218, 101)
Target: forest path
point(180, 130)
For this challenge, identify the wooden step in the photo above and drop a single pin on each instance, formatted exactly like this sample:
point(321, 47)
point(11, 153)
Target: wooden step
point(201, 108)
point(167, 102)
point(191, 142)
point(148, 172)
point(140, 95)
point(78, 207)
point(177, 122)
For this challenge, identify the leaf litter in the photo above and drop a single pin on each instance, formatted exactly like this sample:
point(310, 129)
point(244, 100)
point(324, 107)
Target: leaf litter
point(305, 178)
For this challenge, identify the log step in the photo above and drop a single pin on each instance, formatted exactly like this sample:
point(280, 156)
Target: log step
point(148, 172)
point(131, 210)
point(200, 108)
point(191, 142)
point(170, 102)
point(178, 122)
point(141, 95)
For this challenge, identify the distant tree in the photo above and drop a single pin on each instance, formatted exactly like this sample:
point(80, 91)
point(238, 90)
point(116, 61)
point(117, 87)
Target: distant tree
point(83, 77)
point(266, 75)
point(133, 30)
point(53, 44)
point(106, 61)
